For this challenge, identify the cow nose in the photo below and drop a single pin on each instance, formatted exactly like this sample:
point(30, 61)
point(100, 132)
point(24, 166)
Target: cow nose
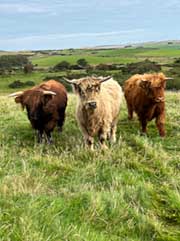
point(34, 117)
point(92, 105)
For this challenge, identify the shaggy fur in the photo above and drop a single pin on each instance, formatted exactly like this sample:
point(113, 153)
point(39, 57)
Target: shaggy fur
point(144, 94)
point(45, 111)
point(98, 109)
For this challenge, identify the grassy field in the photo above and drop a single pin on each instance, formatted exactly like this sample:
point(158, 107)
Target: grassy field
point(53, 60)
point(158, 52)
point(6, 80)
point(64, 192)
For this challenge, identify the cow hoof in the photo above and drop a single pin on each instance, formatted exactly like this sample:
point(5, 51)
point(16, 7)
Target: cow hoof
point(104, 147)
point(143, 134)
point(59, 129)
point(49, 141)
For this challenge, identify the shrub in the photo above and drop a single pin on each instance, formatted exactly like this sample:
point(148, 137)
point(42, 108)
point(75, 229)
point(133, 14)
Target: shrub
point(63, 65)
point(16, 84)
point(82, 62)
point(61, 80)
point(28, 68)
point(29, 83)
point(19, 84)
point(120, 77)
point(141, 67)
point(9, 61)
point(76, 67)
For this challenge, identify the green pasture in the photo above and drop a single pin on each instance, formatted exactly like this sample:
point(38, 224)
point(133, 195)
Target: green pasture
point(53, 60)
point(66, 192)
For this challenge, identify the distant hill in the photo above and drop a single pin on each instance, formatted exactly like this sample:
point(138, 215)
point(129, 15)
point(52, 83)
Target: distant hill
point(143, 44)
point(150, 44)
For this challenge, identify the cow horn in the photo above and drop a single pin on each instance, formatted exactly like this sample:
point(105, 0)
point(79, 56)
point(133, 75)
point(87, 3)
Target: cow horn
point(16, 94)
point(94, 77)
point(73, 81)
point(168, 78)
point(48, 92)
point(105, 79)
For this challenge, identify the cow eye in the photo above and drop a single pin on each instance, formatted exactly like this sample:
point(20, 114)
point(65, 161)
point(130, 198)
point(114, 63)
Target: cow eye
point(89, 89)
point(81, 92)
point(97, 88)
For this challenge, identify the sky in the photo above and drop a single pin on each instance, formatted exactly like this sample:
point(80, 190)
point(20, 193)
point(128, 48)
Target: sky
point(53, 24)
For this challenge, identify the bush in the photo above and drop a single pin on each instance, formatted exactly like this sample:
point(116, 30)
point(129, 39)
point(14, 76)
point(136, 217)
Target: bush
point(141, 67)
point(29, 83)
point(173, 84)
point(19, 84)
point(60, 80)
point(76, 67)
point(120, 77)
point(63, 65)
point(28, 68)
point(9, 61)
point(177, 61)
point(16, 84)
point(82, 62)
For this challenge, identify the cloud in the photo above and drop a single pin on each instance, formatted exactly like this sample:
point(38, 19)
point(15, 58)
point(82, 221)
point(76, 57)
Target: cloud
point(23, 8)
point(67, 40)
point(76, 35)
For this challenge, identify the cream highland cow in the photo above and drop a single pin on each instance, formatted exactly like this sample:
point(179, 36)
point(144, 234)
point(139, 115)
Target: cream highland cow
point(98, 108)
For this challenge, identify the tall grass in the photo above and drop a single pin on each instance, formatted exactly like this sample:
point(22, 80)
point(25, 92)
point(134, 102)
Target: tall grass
point(66, 192)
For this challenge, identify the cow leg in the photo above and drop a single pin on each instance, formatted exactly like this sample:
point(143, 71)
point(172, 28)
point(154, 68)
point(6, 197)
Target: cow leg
point(144, 125)
point(61, 120)
point(130, 112)
point(113, 134)
point(103, 135)
point(90, 142)
point(113, 131)
point(160, 125)
point(102, 141)
point(39, 136)
point(49, 137)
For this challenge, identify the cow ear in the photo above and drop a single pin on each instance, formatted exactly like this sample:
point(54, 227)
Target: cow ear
point(47, 98)
point(145, 84)
point(19, 99)
point(75, 87)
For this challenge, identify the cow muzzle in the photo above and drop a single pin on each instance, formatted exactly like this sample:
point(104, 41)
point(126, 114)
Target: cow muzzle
point(91, 104)
point(160, 99)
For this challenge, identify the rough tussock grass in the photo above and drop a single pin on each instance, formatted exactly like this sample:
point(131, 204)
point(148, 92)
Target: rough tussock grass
point(65, 192)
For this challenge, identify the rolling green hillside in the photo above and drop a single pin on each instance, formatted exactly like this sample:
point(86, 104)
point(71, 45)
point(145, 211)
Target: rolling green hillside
point(163, 52)
point(52, 60)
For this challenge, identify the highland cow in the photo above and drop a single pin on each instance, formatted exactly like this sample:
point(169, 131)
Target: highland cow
point(45, 105)
point(98, 108)
point(144, 94)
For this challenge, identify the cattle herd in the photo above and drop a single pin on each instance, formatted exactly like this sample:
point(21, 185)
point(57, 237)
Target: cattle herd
point(98, 107)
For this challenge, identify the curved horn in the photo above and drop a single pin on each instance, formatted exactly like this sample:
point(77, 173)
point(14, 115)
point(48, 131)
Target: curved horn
point(168, 78)
point(48, 92)
point(105, 79)
point(73, 81)
point(94, 76)
point(16, 94)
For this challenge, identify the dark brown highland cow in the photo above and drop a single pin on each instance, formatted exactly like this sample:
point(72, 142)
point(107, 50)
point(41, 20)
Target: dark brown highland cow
point(45, 105)
point(144, 94)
